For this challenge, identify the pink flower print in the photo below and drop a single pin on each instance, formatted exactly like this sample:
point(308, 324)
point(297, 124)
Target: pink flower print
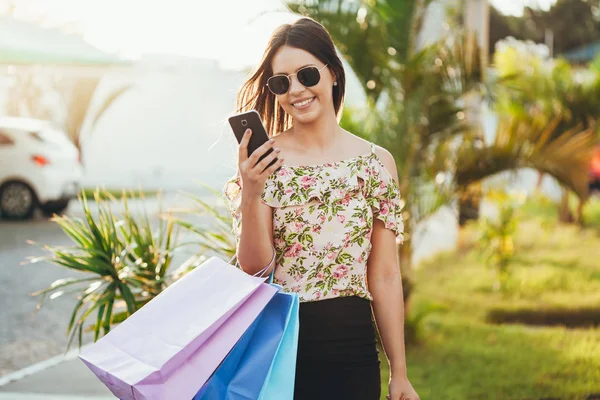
point(322, 218)
point(331, 255)
point(346, 200)
point(341, 218)
point(296, 289)
point(340, 272)
point(382, 185)
point(289, 191)
point(385, 208)
point(320, 275)
point(298, 226)
point(298, 278)
point(278, 242)
point(285, 174)
point(361, 259)
point(362, 219)
point(294, 250)
point(328, 246)
point(338, 193)
point(316, 228)
point(298, 211)
point(318, 295)
point(335, 292)
point(307, 181)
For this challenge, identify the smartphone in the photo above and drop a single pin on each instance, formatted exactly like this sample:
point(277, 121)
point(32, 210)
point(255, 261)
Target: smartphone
point(251, 120)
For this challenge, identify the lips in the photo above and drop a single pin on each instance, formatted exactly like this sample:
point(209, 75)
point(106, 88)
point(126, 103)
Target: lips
point(303, 103)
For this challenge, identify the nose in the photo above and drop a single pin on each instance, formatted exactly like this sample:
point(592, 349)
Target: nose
point(295, 85)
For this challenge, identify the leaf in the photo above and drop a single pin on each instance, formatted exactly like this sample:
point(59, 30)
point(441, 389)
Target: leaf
point(108, 102)
point(128, 297)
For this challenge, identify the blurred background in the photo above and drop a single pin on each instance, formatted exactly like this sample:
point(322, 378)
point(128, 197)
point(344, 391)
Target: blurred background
point(490, 108)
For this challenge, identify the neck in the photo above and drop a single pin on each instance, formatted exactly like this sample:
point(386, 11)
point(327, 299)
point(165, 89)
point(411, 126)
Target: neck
point(319, 135)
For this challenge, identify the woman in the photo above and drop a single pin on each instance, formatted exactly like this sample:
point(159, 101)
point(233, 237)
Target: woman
point(332, 214)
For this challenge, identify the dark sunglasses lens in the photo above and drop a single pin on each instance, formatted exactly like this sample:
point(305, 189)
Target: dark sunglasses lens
point(309, 76)
point(278, 84)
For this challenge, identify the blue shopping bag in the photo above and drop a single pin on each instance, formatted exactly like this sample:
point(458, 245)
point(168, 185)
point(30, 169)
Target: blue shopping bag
point(279, 384)
point(263, 362)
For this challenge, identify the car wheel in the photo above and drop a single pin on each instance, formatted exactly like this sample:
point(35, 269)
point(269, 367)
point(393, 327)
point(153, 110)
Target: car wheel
point(17, 200)
point(54, 207)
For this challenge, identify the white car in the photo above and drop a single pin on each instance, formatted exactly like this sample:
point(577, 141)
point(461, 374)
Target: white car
point(39, 167)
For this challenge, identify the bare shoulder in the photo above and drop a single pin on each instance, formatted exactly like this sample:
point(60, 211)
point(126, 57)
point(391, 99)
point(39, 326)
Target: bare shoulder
point(356, 144)
point(388, 161)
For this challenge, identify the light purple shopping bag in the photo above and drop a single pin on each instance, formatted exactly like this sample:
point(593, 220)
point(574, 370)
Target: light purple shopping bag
point(170, 347)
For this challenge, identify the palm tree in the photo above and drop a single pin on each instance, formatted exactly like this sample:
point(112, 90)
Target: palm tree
point(555, 89)
point(535, 142)
point(418, 118)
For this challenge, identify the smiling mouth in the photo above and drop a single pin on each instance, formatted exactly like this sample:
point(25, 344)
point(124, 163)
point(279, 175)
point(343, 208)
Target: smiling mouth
point(304, 103)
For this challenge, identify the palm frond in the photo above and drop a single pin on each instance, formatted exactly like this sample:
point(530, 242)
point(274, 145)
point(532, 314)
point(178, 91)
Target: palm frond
point(523, 143)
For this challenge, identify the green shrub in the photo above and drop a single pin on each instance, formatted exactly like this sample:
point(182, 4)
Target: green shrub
point(127, 257)
point(591, 213)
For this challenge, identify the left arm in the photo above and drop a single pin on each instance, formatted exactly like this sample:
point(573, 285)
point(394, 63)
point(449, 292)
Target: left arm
point(385, 284)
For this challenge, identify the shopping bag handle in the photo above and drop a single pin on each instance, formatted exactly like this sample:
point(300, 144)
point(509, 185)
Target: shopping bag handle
point(262, 271)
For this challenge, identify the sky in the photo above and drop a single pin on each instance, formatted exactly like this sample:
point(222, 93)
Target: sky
point(234, 32)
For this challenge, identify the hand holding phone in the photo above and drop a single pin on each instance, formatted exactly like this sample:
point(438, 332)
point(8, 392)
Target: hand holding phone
point(257, 159)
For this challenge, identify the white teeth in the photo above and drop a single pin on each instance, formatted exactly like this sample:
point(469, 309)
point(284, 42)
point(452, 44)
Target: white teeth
point(303, 103)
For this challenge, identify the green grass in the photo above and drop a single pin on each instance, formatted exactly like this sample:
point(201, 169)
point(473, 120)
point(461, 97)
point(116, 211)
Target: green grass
point(464, 358)
point(591, 213)
point(118, 193)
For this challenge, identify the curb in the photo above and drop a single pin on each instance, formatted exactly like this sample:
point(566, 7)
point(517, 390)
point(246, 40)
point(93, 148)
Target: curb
point(38, 367)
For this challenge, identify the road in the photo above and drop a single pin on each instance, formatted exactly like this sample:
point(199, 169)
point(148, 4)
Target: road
point(26, 335)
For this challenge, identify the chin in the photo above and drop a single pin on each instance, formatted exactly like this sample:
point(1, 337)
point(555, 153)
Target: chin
point(306, 118)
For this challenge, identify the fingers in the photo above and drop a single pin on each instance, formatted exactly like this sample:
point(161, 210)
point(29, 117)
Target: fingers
point(243, 147)
point(258, 153)
point(273, 167)
point(262, 165)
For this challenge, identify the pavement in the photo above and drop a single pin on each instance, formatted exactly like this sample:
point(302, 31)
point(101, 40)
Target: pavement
point(62, 377)
point(65, 377)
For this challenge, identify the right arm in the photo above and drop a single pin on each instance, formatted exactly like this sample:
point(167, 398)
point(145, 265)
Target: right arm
point(255, 247)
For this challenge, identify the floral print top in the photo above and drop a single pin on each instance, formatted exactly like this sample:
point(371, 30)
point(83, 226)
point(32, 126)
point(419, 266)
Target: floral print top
point(322, 223)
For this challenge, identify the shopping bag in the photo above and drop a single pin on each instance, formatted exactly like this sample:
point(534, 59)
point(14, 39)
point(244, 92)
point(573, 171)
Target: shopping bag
point(279, 384)
point(251, 370)
point(171, 346)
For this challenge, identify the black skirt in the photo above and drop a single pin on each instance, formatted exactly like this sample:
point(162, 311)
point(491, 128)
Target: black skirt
point(337, 351)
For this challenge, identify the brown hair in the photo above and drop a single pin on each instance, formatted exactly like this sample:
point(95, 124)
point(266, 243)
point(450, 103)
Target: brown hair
point(305, 34)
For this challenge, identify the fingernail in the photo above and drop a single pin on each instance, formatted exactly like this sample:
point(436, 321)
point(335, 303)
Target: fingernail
point(248, 131)
point(271, 141)
point(277, 150)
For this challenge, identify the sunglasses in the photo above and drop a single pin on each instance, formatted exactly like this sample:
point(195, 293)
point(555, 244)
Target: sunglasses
point(307, 76)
